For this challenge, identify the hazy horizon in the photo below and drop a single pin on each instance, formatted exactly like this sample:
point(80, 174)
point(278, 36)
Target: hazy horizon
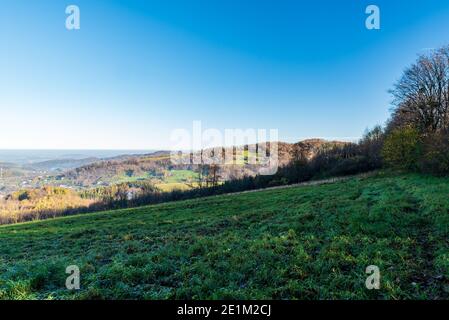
point(28, 156)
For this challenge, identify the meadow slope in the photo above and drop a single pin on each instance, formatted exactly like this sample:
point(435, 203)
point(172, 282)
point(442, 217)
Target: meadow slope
point(310, 242)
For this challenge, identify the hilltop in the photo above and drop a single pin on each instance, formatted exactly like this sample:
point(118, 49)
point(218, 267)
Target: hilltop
point(157, 166)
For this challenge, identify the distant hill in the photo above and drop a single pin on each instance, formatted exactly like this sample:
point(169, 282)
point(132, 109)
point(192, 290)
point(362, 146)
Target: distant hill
point(154, 167)
point(157, 164)
point(306, 148)
point(62, 164)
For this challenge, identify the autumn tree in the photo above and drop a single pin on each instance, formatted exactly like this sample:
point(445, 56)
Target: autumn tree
point(402, 148)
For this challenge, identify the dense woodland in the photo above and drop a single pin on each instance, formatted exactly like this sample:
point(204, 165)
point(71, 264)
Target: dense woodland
point(415, 138)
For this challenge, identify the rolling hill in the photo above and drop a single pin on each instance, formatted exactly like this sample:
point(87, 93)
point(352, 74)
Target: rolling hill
point(158, 164)
point(81, 173)
point(304, 242)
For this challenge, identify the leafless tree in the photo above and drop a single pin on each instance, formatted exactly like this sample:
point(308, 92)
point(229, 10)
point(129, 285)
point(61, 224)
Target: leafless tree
point(421, 96)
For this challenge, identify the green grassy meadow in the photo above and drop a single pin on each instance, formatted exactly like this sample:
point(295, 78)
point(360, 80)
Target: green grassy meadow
point(172, 180)
point(295, 243)
point(177, 180)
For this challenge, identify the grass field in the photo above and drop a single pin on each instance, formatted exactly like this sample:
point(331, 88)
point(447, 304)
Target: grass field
point(171, 186)
point(173, 180)
point(296, 243)
point(177, 180)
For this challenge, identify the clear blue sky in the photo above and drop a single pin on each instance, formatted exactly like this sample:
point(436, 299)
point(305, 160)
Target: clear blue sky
point(139, 69)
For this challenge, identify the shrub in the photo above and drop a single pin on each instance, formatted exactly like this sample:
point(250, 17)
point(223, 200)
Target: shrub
point(350, 166)
point(402, 149)
point(435, 159)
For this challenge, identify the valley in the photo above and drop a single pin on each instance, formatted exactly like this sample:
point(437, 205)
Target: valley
point(155, 167)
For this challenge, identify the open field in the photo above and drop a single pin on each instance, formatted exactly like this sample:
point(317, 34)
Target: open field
point(311, 242)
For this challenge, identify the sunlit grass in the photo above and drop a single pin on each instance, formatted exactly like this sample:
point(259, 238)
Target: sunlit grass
point(295, 243)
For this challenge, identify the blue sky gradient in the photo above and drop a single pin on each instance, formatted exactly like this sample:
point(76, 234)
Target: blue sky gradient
point(137, 70)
